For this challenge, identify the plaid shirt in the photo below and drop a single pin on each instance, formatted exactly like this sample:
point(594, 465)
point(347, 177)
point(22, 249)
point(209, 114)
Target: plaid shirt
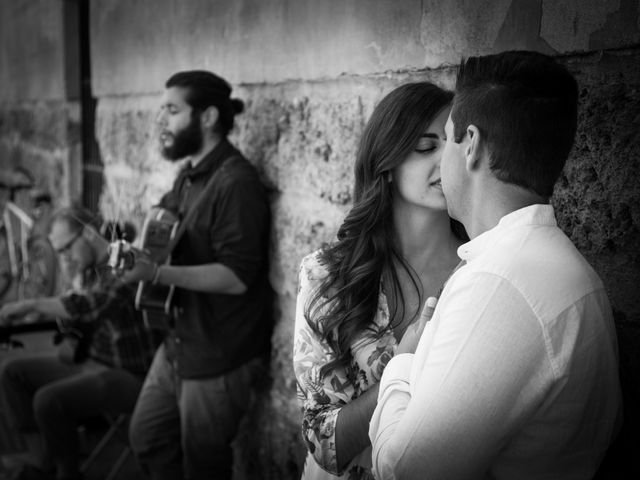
point(120, 338)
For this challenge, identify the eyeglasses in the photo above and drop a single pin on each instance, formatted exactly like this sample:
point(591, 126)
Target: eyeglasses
point(65, 248)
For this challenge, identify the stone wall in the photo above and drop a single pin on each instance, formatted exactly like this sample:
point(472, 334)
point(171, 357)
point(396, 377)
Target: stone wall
point(310, 73)
point(39, 109)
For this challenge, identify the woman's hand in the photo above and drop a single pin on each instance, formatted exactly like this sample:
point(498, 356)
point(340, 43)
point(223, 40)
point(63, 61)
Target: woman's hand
point(14, 309)
point(412, 334)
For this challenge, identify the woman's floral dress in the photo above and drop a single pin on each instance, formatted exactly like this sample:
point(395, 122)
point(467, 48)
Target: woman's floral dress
point(322, 399)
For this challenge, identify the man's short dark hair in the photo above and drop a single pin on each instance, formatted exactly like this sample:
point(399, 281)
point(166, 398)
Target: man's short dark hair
point(525, 106)
point(206, 89)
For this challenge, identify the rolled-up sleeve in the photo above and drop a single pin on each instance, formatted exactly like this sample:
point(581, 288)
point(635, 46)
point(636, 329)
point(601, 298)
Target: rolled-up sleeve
point(240, 224)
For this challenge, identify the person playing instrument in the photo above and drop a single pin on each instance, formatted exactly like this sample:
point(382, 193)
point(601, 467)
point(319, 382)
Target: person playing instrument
point(359, 297)
point(516, 374)
point(47, 395)
point(200, 382)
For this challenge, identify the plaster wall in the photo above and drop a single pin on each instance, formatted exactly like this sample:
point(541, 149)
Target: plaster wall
point(137, 44)
point(32, 54)
point(39, 113)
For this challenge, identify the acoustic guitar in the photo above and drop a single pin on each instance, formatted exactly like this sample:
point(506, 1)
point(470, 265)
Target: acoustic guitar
point(160, 234)
point(157, 238)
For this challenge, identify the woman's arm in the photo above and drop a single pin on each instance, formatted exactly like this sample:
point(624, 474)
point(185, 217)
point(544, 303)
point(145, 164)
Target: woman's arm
point(319, 398)
point(352, 426)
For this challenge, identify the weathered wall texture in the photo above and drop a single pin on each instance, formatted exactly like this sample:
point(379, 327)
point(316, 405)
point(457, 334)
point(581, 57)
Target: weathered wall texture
point(39, 114)
point(310, 73)
point(136, 44)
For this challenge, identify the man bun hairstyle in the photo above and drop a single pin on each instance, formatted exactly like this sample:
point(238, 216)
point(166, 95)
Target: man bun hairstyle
point(238, 105)
point(525, 106)
point(206, 89)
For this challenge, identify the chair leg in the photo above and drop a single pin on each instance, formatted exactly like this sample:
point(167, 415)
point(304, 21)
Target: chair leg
point(115, 426)
point(118, 464)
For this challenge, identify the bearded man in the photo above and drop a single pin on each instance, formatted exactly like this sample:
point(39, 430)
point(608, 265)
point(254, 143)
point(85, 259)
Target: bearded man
point(200, 382)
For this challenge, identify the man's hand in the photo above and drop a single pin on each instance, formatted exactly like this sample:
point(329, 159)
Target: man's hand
point(412, 334)
point(9, 311)
point(144, 268)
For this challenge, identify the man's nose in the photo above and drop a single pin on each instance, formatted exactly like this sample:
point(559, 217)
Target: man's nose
point(161, 118)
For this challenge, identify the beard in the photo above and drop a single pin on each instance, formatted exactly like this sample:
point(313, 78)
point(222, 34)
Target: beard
point(186, 142)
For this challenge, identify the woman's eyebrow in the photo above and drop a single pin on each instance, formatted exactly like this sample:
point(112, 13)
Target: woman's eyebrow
point(430, 135)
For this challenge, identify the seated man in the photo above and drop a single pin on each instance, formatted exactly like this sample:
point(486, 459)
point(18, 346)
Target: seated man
point(46, 396)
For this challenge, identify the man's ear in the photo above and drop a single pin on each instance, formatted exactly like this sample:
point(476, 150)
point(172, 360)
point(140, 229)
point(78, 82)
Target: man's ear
point(209, 117)
point(473, 148)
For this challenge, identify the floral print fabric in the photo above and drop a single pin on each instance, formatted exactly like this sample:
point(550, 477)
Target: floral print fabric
point(322, 398)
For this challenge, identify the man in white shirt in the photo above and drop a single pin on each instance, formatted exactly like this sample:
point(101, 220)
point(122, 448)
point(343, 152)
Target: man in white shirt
point(515, 376)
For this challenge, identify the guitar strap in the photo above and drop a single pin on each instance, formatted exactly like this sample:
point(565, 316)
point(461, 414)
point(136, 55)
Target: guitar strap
point(182, 227)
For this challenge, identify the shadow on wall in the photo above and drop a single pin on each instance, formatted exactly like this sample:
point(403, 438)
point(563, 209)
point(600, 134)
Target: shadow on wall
point(597, 201)
point(622, 458)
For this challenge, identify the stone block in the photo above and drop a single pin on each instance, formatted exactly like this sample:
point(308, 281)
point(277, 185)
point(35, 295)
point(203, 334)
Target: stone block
point(136, 175)
point(598, 196)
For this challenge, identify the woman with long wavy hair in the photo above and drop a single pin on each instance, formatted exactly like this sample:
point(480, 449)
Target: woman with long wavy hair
point(358, 295)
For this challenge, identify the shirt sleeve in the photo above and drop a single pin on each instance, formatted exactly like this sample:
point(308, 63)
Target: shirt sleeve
point(240, 225)
point(321, 398)
point(480, 369)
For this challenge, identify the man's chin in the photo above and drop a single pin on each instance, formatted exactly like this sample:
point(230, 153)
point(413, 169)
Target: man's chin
point(170, 155)
point(451, 213)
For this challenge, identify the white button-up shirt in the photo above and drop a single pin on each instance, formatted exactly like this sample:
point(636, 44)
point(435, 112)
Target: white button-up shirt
point(515, 376)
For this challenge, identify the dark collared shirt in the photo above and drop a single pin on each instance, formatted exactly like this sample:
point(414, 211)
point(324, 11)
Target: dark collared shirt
point(120, 338)
point(215, 333)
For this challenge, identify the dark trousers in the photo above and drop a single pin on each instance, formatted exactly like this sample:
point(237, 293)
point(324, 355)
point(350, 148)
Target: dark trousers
point(183, 428)
point(42, 393)
point(38, 343)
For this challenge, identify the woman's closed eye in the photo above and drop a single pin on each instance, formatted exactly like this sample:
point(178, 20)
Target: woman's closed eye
point(426, 147)
point(428, 143)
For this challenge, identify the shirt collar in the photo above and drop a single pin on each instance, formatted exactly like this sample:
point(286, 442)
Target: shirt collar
point(211, 160)
point(538, 214)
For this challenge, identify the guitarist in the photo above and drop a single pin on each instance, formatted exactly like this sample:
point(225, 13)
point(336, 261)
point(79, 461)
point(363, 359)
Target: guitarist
point(46, 395)
point(200, 382)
